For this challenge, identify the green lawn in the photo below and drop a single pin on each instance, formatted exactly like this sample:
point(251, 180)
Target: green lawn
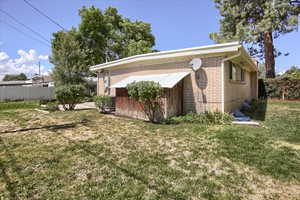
point(87, 155)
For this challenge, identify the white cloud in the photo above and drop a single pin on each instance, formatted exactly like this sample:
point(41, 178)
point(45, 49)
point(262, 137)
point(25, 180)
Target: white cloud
point(3, 57)
point(27, 63)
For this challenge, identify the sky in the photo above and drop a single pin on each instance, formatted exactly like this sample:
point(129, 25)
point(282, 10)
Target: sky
point(176, 24)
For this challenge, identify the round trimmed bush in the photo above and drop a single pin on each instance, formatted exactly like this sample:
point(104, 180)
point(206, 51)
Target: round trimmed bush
point(69, 95)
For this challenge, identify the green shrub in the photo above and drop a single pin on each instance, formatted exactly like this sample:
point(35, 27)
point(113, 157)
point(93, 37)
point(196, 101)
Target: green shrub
point(69, 95)
point(44, 101)
point(103, 102)
point(148, 93)
point(52, 106)
point(202, 118)
point(88, 99)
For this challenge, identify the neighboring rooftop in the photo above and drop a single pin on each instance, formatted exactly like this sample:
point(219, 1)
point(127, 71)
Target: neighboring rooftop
point(10, 83)
point(42, 78)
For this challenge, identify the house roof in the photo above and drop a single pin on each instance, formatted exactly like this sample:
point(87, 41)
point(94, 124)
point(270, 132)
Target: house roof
point(42, 78)
point(6, 83)
point(165, 80)
point(202, 50)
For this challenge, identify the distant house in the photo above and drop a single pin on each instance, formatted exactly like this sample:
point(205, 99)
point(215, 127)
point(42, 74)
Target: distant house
point(208, 78)
point(35, 81)
point(42, 81)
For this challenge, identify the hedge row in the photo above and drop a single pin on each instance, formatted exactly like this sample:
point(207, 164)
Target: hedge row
point(280, 88)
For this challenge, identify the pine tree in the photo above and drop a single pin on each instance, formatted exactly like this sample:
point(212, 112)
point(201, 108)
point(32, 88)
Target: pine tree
point(256, 23)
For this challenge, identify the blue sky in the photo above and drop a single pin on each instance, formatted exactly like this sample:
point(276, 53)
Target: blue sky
point(175, 23)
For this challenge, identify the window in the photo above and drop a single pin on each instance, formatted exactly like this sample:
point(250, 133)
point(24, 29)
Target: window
point(232, 71)
point(236, 73)
point(242, 74)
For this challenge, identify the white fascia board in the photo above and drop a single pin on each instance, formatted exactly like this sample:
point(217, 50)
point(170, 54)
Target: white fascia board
point(211, 49)
point(249, 59)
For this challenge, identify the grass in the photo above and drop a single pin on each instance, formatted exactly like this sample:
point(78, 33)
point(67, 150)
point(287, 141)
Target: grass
point(87, 155)
point(18, 105)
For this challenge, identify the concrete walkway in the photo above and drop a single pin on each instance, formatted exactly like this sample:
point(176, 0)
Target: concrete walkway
point(82, 106)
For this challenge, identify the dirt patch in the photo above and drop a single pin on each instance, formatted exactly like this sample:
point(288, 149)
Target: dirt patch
point(287, 144)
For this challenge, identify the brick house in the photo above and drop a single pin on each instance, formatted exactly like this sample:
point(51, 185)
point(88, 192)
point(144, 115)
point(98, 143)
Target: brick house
point(208, 78)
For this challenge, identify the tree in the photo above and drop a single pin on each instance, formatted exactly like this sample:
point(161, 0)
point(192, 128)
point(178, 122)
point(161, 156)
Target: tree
point(108, 36)
point(68, 59)
point(293, 72)
point(257, 23)
point(100, 37)
point(15, 77)
point(148, 94)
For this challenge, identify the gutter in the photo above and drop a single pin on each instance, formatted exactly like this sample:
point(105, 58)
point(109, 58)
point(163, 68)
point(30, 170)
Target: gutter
point(222, 77)
point(218, 48)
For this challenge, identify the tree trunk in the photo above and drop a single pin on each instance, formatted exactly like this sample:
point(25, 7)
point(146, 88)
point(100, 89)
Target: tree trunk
point(269, 55)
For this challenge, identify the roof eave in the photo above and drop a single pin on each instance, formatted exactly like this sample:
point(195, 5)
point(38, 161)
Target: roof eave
point(212, 49)
point(250, 60)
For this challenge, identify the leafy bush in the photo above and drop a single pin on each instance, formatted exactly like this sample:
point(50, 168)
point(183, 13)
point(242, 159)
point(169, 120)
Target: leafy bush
point(281, 88)
point(69, 95)
point(103, 102)
point(44, 101)
point(52, 106)
point(202, 118)
point(148, 93)
point(88, 98)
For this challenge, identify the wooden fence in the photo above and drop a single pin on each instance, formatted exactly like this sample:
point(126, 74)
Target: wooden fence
point(26, 93)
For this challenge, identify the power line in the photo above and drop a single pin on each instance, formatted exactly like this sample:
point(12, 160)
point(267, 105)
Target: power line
point(39, 11)
point(27, 27)
point(23, 33)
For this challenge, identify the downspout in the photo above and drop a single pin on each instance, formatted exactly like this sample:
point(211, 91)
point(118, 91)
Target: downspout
point(222, 77)
point(98, 78)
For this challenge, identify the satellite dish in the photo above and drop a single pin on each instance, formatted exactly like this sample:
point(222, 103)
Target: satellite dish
point(196, 64)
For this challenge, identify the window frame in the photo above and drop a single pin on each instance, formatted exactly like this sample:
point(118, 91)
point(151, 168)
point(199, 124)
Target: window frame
point(242, 75)
point(236, 73)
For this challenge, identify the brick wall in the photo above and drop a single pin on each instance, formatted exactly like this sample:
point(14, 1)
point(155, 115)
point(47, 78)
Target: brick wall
point(235, 92)
point(202, 89)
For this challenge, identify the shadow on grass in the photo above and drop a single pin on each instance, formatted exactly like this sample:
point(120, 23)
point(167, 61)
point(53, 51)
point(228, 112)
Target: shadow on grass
point(258, 109)
point(50, 127)
point(165, 192)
